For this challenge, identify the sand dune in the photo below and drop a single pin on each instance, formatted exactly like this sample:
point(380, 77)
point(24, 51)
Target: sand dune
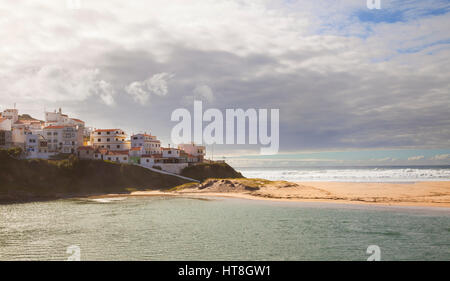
point(412, 194)
point(427, 194)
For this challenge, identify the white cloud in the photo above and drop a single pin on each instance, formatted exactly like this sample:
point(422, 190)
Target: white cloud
point(55, 83)
point(106, 92)
point(414, 158)
point(142, 90)
point(441, 157)
point(385, 159)
point(204, 92)
point(338, 81)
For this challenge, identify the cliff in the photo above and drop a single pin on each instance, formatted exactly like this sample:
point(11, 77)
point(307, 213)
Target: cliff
point(37, 180)
point(204, 171)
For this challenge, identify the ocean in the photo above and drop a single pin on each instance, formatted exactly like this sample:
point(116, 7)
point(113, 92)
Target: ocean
point(350, 173)
point(177, 228)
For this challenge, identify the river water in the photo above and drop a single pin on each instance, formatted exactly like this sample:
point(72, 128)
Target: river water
point(174, 228)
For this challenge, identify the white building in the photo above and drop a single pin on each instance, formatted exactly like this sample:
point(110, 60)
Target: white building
point(5, 124)
point(34, 126)
point(11, 114)
point(36, 147)
point(59, 119)
point(111, 139)
point(137, 151)
point(63, 139)
point(117, 156)
point(150, 143)
point(19, 135)
point(197, 151)
point(147, 161)
point(170, 152)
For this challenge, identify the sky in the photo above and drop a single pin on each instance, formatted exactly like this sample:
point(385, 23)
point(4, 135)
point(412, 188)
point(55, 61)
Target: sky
point(345, 78)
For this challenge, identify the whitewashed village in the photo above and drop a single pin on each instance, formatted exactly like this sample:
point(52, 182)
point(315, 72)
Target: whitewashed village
point(60, 135)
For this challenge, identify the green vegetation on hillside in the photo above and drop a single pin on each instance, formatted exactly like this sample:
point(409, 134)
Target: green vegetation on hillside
point(27, 117)
point(32, 180)
point(204, 171)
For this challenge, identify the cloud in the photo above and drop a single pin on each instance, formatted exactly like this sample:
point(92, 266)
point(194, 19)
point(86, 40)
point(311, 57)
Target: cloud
point(414, 158)
point(106, 93)
point(155, 85)
point(55, 83)
point(385, 159)
point(340, 80)
point(441, 157)
point(201, 92)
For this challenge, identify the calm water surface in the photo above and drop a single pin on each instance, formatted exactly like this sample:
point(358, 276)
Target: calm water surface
point(167, 228)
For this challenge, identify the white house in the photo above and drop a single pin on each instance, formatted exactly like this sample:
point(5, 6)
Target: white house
point(150, 143)
point(194, 150)
point(5, 124)
point(86, 152)
point(59, 119)
point(36, 146)
point(117, 156)
point(136, 151)
point(63, 139)
point(111, 139)
point(11, 114)
point(18, 135)
point(147, 160)
point(170, 152)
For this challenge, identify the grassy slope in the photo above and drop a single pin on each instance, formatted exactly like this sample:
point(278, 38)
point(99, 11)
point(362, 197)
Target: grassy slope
point(31, 180)
point(204, 171)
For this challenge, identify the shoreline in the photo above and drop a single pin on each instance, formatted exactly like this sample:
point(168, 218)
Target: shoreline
point(418, 194)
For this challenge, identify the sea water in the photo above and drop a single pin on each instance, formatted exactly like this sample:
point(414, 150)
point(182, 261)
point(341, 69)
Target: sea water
point(350, 174)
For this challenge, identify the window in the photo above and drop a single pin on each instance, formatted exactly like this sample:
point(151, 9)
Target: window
point(99, 140)
point(125, 158)
point(107, 139)
point(107, 133)
point(99, 133)
point(169, 152)
point(108, 146)
point(118, 146)
point(148, 161)
point(49, 133)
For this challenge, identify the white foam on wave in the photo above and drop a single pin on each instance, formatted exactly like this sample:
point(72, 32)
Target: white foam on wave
point(351, 175)
point(108, 200)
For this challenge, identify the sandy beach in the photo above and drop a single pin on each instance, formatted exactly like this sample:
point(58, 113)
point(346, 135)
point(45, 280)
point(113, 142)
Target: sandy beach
point(424, 194)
